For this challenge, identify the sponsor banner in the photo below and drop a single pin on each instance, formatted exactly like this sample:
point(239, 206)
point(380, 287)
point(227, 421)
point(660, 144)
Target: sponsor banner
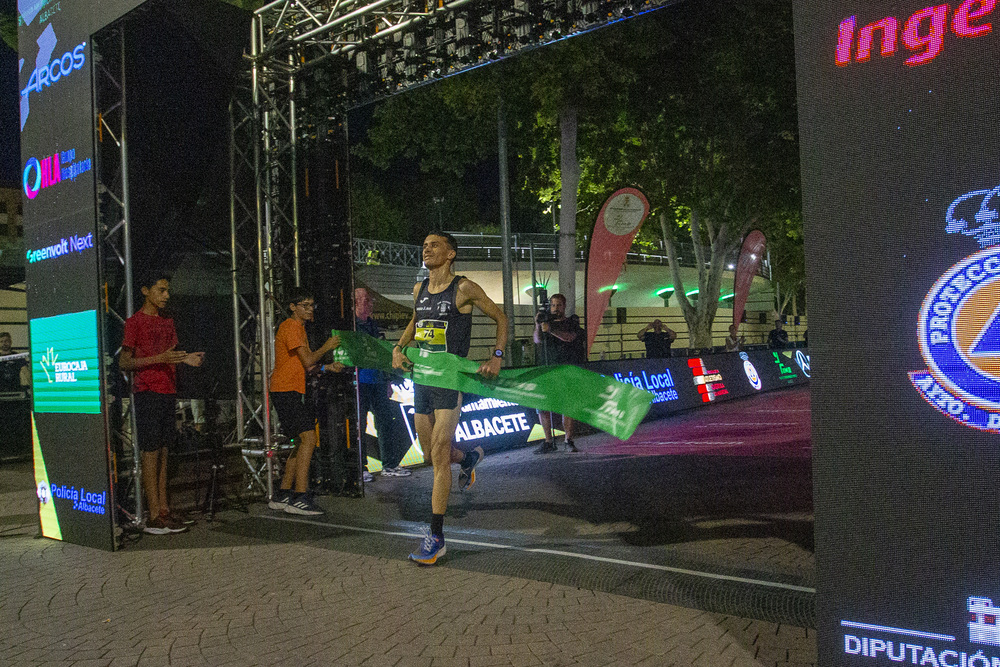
point(489, 423)
point(901, 208)
point(683, 383)
point(611, 406)
point(65, 363)
point(619, 221)
point(751, 256)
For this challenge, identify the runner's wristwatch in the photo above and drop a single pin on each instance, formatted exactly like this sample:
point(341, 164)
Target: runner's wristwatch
point(498, 353)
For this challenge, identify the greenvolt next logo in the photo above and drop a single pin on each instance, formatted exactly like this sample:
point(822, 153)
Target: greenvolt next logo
point(65, 366)
point(61, 248)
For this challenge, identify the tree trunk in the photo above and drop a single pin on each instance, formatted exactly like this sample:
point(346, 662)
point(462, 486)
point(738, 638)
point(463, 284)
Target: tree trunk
point(701, 314)
point(569, 167)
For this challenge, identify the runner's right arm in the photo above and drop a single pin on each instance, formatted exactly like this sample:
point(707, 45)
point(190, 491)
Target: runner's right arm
point(399, 359)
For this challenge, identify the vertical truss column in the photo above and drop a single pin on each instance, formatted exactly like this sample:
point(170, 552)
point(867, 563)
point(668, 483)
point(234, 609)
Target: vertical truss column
point(264, 238)
point(250, 420)
point(114, 230)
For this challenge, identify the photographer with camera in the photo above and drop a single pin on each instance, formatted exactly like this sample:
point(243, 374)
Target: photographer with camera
point(658, 338)
point(561, 340)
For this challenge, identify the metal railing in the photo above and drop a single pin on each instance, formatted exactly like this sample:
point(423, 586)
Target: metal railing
point(487, 247)
point(371, 253)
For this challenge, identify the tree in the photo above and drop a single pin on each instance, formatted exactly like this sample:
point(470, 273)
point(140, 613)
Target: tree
point(716, 146)
point(694, 105)
point(8, 29)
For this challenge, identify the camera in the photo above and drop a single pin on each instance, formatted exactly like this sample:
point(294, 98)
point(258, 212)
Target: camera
point(544, 314)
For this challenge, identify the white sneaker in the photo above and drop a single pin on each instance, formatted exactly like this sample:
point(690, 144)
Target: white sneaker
point(367, 476)
point(398, 471)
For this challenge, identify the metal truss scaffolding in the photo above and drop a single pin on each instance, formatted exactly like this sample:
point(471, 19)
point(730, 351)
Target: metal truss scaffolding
point(348, 52)
point(396, 44)
point(115, 247)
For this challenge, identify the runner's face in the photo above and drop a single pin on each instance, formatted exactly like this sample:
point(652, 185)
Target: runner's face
point(158, 294)
point(5, 344)
point(437, 251)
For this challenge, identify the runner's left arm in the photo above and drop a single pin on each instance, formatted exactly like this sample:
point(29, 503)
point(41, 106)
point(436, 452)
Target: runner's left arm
point(475, 294)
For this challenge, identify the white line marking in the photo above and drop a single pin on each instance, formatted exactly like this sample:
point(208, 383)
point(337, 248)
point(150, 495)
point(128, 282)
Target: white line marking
point(714, 424)
point(898, 631)
point(555, 552)
point(712, 443)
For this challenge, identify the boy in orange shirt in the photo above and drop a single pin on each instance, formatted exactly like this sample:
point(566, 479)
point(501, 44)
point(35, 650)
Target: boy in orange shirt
point(292, 358)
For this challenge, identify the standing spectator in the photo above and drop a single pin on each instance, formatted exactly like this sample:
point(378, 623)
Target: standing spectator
point(14, 373)
point(562, 340)
point(292, 358)
point(777, 339)
point(734, 342)
point(373, 393)
point(658, 341)
point(148, 349)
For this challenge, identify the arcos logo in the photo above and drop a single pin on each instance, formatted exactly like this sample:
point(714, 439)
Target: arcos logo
point(57, 69)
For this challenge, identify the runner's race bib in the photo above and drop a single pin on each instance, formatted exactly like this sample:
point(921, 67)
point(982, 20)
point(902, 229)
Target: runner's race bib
point(431, 335)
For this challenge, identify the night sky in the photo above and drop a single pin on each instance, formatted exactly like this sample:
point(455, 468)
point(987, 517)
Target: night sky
point(10, 140)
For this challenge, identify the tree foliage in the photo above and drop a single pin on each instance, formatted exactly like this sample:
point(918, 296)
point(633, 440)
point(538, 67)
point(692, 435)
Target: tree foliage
point(8, 29)
point(694, 105)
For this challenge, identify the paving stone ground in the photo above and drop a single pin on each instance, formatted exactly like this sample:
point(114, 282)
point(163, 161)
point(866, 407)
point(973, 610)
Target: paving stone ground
point(298, 603)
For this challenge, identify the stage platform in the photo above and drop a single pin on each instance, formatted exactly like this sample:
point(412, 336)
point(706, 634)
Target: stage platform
point(689, 544)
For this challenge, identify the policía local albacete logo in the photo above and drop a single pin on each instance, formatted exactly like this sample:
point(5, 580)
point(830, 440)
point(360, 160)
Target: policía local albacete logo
point(959, 324)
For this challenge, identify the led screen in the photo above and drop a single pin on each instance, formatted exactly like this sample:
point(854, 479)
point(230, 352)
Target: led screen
point(61, 263)
point(899, 145)
point(682, 383)
point(65, 366)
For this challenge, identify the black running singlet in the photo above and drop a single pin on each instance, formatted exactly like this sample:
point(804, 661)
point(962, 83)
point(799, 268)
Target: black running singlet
point(440, 327)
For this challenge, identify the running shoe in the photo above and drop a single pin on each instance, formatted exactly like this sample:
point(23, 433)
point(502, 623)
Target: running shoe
point(546, 448)
point(571, 447)
point(303, 504)
point(367, 476)
point(398, 471)
point(280, 500)
point(159, 526)
point(467, 474)
point(431, 548)
point(178, 518)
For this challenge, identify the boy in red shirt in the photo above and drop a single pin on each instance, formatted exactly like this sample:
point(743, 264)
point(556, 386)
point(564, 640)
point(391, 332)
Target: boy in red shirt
point(148, 349)
point(292, 358)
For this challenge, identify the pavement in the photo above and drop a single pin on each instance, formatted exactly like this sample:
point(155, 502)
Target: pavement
point(692, 549)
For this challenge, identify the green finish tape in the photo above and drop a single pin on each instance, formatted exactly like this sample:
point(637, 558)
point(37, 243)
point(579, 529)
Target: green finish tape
point(614, 407)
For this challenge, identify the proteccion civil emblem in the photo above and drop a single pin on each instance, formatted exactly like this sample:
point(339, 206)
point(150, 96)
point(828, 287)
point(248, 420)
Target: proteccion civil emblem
point(959, 324)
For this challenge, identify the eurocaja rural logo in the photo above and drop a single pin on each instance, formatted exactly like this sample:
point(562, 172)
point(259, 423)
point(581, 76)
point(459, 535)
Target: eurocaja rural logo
point(959, 324)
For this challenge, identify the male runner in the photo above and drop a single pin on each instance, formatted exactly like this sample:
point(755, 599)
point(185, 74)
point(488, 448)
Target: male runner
point(442, 322)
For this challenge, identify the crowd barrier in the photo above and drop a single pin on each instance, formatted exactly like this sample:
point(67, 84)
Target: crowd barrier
point(677, 384)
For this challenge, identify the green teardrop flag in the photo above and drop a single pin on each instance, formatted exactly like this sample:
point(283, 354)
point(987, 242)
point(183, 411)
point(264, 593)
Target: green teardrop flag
point(614, 407)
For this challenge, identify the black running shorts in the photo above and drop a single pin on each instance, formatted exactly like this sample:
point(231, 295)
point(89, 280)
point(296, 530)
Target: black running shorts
point(428, 399)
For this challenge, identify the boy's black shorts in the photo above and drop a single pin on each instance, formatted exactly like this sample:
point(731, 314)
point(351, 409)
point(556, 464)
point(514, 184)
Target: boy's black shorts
point(428, 399)
point(155, 420)
point(295, 414)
